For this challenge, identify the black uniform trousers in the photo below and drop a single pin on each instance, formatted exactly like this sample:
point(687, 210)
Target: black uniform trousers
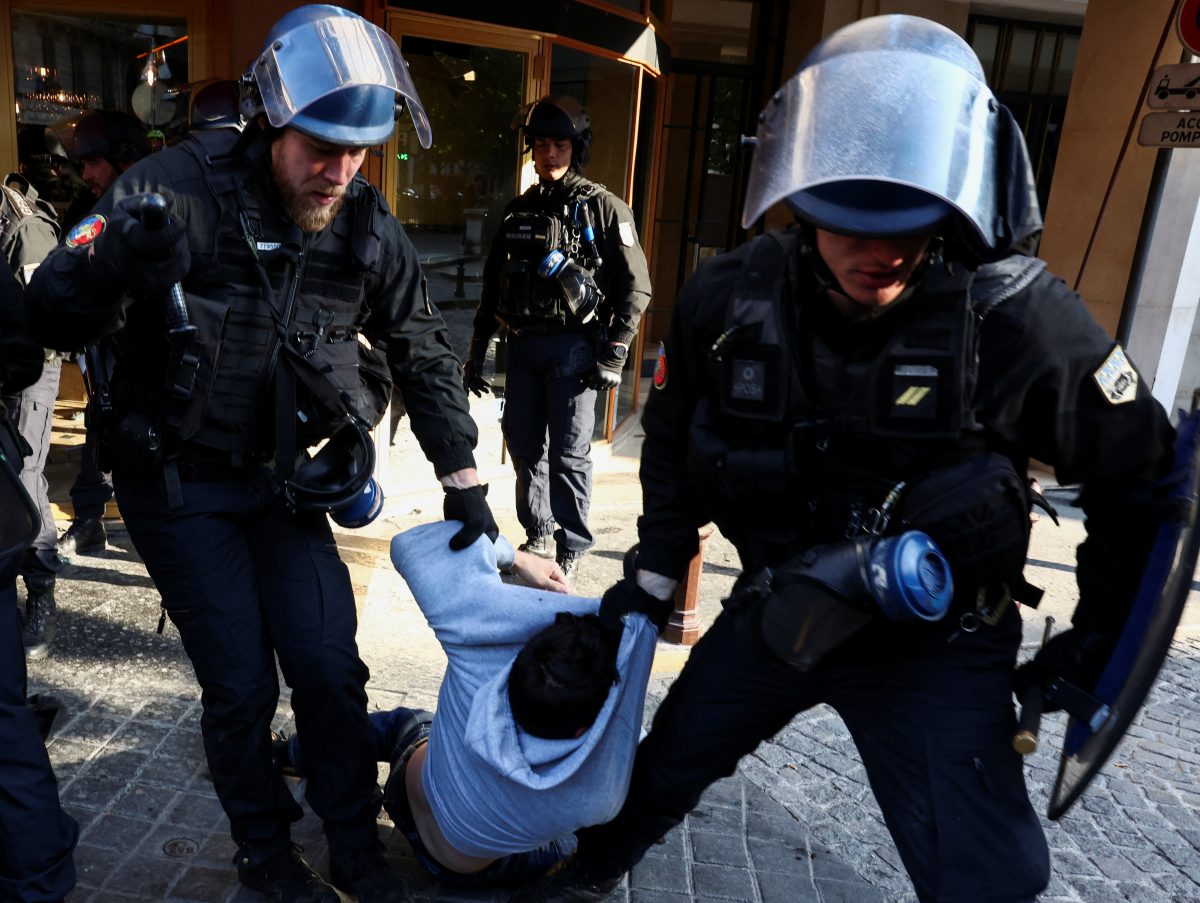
point(549, 415)
point(36, 836)
point(932, 719)
point(92, 488)
point(246, 582)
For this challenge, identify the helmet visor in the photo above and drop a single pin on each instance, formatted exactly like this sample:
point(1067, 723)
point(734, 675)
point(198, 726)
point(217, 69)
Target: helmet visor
point(327, 55)
point(891, 116)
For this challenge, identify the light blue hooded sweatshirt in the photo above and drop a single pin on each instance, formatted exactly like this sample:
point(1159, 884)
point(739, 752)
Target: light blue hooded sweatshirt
point(495, 790)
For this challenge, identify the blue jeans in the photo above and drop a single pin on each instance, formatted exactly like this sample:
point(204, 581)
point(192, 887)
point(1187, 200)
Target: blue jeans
point(396, 735)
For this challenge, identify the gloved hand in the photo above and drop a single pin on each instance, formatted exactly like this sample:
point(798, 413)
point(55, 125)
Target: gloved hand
point(134, 255)
point(469, 506)
point(610, 361)
point(625, 596)
point(472, 372)
point(1077, 655)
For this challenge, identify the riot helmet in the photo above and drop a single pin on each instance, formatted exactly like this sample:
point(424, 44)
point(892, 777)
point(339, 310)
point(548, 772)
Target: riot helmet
point(119, 138)
point(215, 105)
point(888, 129)
point(331, 74)
point(557, 117)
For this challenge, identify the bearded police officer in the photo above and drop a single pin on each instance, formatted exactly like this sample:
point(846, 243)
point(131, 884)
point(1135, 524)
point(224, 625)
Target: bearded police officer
point(886, 368)
point(567, 278)
point(301, 300)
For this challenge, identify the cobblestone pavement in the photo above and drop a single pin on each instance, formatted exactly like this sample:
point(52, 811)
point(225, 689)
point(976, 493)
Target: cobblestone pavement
point(797, 822)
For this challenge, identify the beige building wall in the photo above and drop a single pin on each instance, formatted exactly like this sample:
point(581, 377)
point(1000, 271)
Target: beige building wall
point(1116, 55)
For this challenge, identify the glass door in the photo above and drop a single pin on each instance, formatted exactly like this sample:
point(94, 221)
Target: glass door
point(451, 196)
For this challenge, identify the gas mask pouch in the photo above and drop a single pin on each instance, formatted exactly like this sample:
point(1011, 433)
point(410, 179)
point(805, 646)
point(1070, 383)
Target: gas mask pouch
point(822, 597)
point(339, 479)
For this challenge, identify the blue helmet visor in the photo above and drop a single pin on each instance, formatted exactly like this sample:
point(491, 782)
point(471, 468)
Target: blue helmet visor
point(328, 56)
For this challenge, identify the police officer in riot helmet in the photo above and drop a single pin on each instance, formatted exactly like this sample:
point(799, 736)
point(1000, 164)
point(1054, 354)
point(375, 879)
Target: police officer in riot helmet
point(268, 307)
point(568, 280)
point(880, 373)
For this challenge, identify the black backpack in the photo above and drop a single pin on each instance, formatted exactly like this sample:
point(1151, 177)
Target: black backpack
point(28, 227)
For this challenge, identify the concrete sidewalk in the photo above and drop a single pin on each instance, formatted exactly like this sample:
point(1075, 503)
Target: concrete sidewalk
point(797, 822)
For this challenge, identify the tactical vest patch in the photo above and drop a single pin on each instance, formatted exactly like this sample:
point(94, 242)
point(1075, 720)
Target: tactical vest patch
point(914, 391)
point(1116, 378)
point(86, 231)
point(660, 367)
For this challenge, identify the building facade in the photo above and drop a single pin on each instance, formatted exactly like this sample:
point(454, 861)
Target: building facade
point(671, 87)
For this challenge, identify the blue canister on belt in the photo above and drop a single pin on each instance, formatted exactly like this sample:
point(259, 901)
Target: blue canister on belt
point(909, 577)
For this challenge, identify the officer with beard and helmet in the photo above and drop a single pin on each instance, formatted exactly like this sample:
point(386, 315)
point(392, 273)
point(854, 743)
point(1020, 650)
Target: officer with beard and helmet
point(269, 307)
point(568, 279)
point(888, 366)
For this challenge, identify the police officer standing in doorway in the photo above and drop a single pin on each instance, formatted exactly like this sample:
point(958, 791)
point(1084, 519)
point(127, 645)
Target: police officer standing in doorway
point(885, 368)
point(568, 279)
point(267, 308)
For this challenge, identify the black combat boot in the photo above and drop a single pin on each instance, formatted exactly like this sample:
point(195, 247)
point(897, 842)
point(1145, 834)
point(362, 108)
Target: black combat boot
point(283, 876)
point(38, 631)
point(364, 873)
point(87, 535)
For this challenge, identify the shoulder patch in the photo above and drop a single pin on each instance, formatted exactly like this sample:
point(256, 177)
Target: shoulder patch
point(86, 231)
point(625, 230)
point(1116, 377)
point(660, 367)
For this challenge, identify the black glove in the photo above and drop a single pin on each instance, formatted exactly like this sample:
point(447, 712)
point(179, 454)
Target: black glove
point(610, 361)
point(626, 596)
point(1078, 656)
point(472, 372)
point(130, 253)
point(469, 506)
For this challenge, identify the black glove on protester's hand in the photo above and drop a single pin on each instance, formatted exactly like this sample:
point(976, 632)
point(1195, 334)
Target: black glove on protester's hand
point(1077, 655)
point(610, 361)
point(130, 253)
point(472, 372)
point(469, 506)
point(625, 597)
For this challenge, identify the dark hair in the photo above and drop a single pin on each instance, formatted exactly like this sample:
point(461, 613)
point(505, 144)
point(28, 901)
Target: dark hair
point(562, 676)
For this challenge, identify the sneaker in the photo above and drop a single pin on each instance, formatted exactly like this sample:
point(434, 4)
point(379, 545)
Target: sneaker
point(569, 565)
point(364, 873)
point(87, 535)
point(285, 877)
point(537, 545)
point(567, 882)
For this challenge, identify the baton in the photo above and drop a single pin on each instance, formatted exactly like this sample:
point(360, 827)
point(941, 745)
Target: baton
point(1025, 740)
point(154, 217)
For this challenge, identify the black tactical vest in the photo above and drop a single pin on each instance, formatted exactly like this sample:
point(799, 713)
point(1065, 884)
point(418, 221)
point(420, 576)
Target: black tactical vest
point(261, 293)
point(800, 446)
point(541, 226)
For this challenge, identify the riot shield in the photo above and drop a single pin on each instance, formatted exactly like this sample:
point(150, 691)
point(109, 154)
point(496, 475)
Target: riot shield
point(1146, 637)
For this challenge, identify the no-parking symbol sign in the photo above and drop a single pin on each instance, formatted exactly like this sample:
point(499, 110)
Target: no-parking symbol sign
point(1189, 25)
